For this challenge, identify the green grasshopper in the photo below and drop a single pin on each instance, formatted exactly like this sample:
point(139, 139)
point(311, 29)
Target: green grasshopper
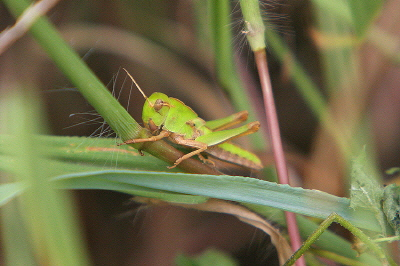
point(167, 117)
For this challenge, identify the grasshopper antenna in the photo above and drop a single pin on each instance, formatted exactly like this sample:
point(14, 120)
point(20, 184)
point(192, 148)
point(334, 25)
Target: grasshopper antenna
point(137, 85)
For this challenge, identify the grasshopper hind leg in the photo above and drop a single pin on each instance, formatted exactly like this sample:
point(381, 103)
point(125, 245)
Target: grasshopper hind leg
point(227, 122)
point(179, 139)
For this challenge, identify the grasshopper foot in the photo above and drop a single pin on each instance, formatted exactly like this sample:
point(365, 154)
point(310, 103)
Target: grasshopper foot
point(176, 162)
point(173, 166)
point(206, 160)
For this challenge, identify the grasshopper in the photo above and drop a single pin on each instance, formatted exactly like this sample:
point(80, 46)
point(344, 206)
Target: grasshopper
point(167, 117)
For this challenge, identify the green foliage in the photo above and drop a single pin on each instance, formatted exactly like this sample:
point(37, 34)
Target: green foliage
point(74, 169)
point(334, 217)
point(209, 257)
point(357, 14)
point(391, 206)
point(393, 170)
point(366, 192)
point(364, 12)
point(45, 214)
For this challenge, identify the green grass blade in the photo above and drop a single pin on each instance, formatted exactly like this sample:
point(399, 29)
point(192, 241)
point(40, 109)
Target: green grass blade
point(102, 152)
point(46, 214)
point(236, 188)
point(9, 191)
point(242, 189)
point(80, 75)
point(358, 14)
point(192, 189)
point(257, 195)
point(15, 238)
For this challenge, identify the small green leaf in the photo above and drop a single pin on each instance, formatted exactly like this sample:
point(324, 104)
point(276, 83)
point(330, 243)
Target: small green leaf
point(393, 170)
point(391, 206)
point(366, 192)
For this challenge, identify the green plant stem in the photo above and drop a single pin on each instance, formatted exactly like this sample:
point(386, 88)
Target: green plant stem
point(254, 24)
point(97, 94)
point(334, 217)
point(225, 64)
point(337, 258)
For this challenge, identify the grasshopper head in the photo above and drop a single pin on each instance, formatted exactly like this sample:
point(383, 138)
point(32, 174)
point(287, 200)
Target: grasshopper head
point(156, 109)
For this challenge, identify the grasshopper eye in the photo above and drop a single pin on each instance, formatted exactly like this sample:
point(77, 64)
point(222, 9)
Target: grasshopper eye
point(159, 104)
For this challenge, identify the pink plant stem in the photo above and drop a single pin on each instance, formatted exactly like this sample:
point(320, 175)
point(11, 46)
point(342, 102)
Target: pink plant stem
point(276, 143)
